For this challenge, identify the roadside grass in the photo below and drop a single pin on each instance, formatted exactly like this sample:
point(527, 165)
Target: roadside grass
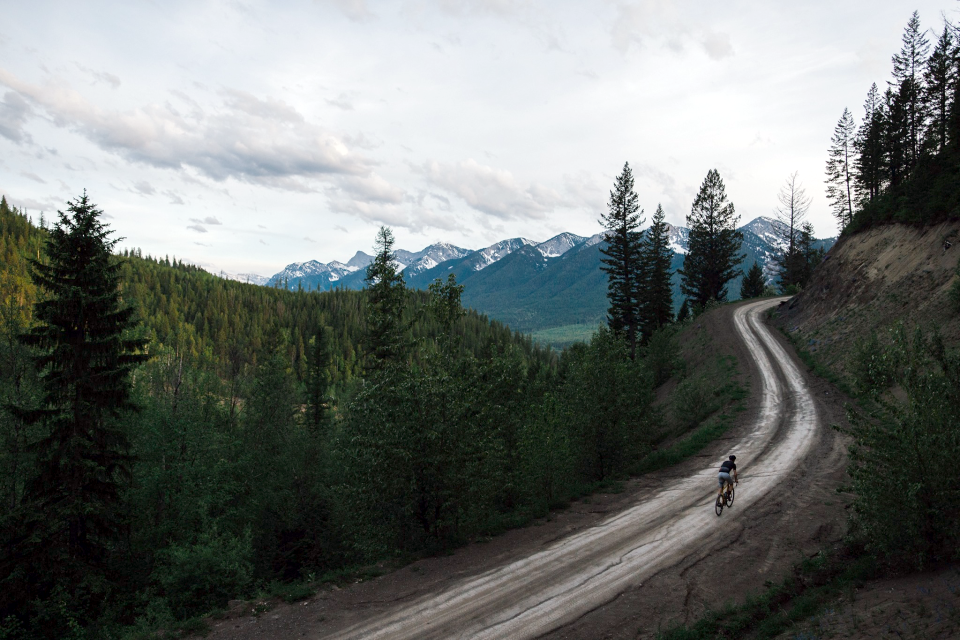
point(813, 584)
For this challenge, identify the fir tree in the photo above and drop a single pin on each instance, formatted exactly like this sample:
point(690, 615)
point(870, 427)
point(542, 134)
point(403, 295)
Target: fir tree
point(908, 75)
point(840, 170)
point(870, 162)
point(71, 522)
point(387, 295)
point(684, 312)
point(319, 378)
point(713, 253)
point(940, 76)
point(753, 283)
point(622, 263)
point(657, 292)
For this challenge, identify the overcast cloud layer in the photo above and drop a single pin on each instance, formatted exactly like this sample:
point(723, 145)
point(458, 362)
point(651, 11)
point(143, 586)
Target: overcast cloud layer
point(247, 135)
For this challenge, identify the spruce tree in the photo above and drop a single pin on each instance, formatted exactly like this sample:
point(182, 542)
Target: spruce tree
point(657, 292)
point(870, 162)
point(840, 170)
point(713, 253)
point(940, 77)
point(753, 283)
point(71, 523)
point(908, 78)
point(387, 297)
point(684, 312)
point(622, 263)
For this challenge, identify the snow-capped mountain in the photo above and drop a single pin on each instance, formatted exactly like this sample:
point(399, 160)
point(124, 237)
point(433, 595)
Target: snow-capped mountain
point(679, 239)
point(769, 230)
point(432, 256)
point(312, 273)
point(487, 256)
point(559, 245)
point(359, 260)
point(249, 278)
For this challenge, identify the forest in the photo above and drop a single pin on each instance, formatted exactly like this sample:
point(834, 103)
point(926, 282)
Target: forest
point(208, 439)
point(902, 163)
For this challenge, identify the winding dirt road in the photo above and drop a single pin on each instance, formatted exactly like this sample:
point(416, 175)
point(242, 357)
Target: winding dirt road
point(621, 565)
point(539, 593)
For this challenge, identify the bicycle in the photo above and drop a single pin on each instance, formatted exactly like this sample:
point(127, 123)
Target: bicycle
point(724, 500)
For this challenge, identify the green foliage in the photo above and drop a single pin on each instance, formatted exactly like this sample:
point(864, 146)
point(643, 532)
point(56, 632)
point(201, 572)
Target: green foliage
point(623, 263)
point(656, 292)
point(714, 244)
point(387, 297)
point(662, 355)
point(753, 284)
point(903, 460)
point(206, 573)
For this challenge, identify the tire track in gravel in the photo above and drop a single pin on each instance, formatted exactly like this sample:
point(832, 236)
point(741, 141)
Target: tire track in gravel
point(574, 575)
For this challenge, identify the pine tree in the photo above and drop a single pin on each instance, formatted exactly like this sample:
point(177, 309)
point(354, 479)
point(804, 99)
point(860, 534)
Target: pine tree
point(713, 253)
point(794, 205)
point(908, 77)
point(940, 76)
point(71, 522)
point(319, 378)
point(622, 263)
point(870, 161)
point(753, 283)
point(840, 170)
point(657, 292)
point(684, 312)
point(387, 296)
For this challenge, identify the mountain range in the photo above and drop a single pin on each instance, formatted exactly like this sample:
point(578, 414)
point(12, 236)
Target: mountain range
point(529, 285)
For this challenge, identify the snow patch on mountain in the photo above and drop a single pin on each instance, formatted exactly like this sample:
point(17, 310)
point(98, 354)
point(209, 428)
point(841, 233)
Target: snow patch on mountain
point(249, 278)
point(560, 244)
point(432, 256)
point(487, 256)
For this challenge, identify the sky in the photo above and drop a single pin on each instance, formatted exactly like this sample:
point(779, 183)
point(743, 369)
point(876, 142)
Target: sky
point(243, 136)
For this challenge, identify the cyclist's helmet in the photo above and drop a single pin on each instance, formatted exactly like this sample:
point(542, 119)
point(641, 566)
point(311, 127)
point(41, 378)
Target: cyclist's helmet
point(733, 458)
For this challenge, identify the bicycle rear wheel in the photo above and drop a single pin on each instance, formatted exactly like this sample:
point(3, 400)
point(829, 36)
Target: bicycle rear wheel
point(729, 499)
point(718, 507)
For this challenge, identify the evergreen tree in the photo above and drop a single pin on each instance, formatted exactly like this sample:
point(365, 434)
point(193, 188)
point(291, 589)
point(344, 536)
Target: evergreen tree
point(71, 522)
point(622, 263)
point(387, 295)
point(908, 67)
point(940, 76)
point(713, 253)
point(840, 170)
point(684, 312)
point(753, 283)
point(794, 205)
point(896, 133)
point(319, 378)
point(870, 161)
point(657, 293)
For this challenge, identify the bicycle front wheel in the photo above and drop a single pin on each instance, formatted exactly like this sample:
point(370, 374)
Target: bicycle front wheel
point(718, 507)
point(730, 497)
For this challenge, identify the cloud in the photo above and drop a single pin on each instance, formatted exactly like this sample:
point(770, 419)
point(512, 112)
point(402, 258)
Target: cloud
point(100, 76)
point(174, 198)
point(309, 239)
point(208, 220)
point(33, 176)
point(356, 10)
point(638, 23)
point(197, 227)
point(14, 111)
point(266, 142)
point(492, 191)
point(341, 102)
point(338, 227)
point(144, 187)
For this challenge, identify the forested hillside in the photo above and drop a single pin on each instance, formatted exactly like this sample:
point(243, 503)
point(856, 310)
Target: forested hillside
point(279, 436)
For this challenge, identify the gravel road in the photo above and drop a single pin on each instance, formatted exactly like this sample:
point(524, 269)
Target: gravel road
point(546, 590)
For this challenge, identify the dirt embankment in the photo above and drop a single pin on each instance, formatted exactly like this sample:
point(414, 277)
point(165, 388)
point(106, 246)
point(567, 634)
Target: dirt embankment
point(871, 281)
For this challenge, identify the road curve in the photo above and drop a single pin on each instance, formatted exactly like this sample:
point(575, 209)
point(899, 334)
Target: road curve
point(541, 592)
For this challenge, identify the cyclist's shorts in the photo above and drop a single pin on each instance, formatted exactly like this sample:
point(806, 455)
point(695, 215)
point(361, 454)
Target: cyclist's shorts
point(724, 477)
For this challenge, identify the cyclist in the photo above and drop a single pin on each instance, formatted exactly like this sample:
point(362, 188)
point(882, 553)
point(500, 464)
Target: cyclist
point(728, 473)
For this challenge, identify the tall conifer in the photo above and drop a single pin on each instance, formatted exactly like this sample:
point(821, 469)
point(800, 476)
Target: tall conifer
point(71, 523)
point(940, 77)
point(387, 296)
point(657, 292)
point(870, 161)
point(622, 263)
point(840, 169)
point(713, 253)
point(908, 67)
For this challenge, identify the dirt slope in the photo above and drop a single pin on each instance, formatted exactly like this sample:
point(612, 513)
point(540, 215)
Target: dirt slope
point(621, 566)
point(873, 280)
